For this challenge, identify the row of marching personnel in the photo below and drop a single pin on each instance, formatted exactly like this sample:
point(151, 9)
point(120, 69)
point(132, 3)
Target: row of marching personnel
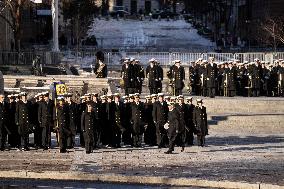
point(105, 121)
point(234, 78)
point(207, 77)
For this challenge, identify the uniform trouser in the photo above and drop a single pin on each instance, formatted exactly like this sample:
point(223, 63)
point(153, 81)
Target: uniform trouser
point(129, 90)
point(38, 136)
point(71, 141)
point(116, 137)
point(3, 138)
point(62, 141)
point(211, 91)
point(181, 137)
point(82, 139)
point(178, 92)
point(24, 140)
point(204, 91)
point(189, 137)
point(71, 138)
point(201, 140)
point(14, 138)
point(139, 88)
point(232, 93)
point(150, 134)
point(137, 140)
point(172, 140)
point(46, 136)
point(126, 136)
point(89, 141)
point(97, 137)
point(153, 90)
point(253, 92)
point(161, 135)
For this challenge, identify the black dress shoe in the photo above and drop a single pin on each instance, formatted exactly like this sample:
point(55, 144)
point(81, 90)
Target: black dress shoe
point(168, 152)
point(88, 152)
point(182, 149)
point(63, 151)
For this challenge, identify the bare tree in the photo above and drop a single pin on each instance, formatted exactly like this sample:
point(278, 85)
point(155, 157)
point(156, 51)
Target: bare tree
point(273, 28)
point(14, 8)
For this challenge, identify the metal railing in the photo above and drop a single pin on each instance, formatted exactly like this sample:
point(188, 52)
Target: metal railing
point(113, 58)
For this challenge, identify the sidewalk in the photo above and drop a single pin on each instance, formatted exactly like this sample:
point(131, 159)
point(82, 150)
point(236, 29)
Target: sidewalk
point(254, 161)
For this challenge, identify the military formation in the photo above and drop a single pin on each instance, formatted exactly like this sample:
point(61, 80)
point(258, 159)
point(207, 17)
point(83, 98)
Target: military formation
point(207, 78)
point(106, 121)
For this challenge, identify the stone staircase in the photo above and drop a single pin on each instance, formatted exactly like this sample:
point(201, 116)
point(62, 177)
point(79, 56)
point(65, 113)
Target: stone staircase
point(82, 84)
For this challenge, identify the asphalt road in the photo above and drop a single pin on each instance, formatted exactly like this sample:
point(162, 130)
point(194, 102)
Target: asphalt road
point(47, 184)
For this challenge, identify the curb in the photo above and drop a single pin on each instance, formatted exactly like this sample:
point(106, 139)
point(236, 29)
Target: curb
point(77, 176)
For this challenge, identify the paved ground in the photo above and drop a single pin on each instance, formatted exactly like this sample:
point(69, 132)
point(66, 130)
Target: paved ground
point(26, 184)
point(252, 159)
point(238, 152)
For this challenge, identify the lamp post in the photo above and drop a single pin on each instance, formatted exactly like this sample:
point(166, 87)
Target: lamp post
point(54, 10)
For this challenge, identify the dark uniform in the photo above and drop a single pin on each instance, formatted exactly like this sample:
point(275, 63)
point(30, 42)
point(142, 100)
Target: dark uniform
point(139, 76)
point(138, 122)
point(197, 85)
point(160, 78)
point(160, 116)
point(173, 130)
point(117, 127)
point(87, 126)
point(37, 129)
point(150, 131)
point(230, 81)
point(189, 108)
point(126, 135)
point(101, 70)
point(211, 79)
point(3, 125)
point(254, 81)
point(72, 109)
point(62, 117)
point(105, 130)
point(200, 122)
point(110, 119)
point(81, 107)
point(128, 74)
point(22, 120)
point(97, 123)
point(14, 137)
point(46, 121)
point(153, 78)
point(281, 81)
point(178, 78)
point(182, 124)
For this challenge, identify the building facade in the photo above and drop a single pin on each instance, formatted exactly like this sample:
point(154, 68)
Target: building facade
point(234, 22)
point(6, 33)
point(135, 6)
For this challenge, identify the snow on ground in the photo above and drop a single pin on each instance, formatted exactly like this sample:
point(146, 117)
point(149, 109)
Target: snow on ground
point(159, 34)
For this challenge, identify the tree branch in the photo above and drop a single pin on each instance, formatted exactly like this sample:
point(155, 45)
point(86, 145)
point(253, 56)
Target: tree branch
point(8, 21)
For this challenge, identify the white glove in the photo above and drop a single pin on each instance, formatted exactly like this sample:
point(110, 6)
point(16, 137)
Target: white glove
point(166, 126)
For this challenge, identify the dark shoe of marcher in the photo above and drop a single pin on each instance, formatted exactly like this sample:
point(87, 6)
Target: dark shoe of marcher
point(168, 152)
point(182, 149)
point(88, 152)
point(2, 149)
point(63, 151)
point(27, 149)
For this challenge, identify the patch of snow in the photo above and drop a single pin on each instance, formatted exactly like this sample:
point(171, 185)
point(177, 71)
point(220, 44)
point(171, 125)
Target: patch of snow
point(134, 33)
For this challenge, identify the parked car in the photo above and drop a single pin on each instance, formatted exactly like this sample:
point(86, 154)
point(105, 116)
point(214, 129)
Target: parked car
point(164, 14)
point(120, 13)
